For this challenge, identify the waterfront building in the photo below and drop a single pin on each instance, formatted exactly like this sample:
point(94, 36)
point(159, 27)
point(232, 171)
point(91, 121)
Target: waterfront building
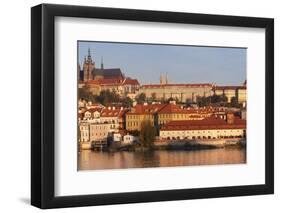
point(171, 112)
point(111, 115)
point(161, 114)
point(141, 113)
point(99, 131)
point(208, 128)
point(84, 132)
point(129, 139)
point(117, 137)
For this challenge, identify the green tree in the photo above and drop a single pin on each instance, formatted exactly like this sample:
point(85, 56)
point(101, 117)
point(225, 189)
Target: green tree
point(202, 101)
point(147, 134)
point(234, 102)
point(153, 96)
point(127, 102)
point(107, 97)
point(86, 94)
point(141, 98)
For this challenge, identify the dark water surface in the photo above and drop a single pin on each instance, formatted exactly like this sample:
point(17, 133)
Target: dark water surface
point(90, 160)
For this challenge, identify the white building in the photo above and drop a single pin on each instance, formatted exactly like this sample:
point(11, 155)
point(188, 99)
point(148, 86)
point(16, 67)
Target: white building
point(117, 137)
point(84, 132)
point(99, 131)
point(128, 139)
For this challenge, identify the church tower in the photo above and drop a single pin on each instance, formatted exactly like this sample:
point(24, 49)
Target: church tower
point(163, 79)
point(101, 66)
point(88, 67)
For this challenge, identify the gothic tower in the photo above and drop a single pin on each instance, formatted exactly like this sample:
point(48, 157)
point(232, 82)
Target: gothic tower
point(101, 66)
point(88, 67)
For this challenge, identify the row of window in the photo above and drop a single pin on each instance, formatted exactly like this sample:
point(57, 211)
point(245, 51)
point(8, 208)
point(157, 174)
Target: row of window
point(85, 134)
point(132, 124)
point(200, 132)
point(203, 137)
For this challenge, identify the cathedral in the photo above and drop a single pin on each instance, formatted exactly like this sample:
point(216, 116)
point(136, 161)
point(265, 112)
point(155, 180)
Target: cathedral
point(91, 72)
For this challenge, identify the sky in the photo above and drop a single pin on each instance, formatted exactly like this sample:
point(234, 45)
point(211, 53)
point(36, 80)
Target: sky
point(181, 63)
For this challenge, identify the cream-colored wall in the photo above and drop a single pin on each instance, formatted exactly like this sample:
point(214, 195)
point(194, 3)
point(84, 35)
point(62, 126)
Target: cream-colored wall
point(242, 95)
point(84, 132)
point(180, 92)
point(99, 131)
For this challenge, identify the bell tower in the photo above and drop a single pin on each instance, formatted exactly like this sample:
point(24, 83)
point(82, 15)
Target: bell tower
point(88, 66)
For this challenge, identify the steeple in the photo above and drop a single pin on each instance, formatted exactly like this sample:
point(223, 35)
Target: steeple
point(89, 55)
point(101, 66)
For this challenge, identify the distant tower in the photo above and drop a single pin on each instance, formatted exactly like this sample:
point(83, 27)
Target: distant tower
point(88, 67)
point(101, 66)
point(163, 79)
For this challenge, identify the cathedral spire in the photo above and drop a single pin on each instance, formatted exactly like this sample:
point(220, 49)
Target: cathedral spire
point(101, 66)
point(89, 55)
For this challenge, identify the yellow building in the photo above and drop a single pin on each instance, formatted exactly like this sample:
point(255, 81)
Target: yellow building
point(141, 113)
point(161, 114)
point(172, 112)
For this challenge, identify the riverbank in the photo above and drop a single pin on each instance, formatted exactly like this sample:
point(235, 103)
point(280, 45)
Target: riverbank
point(176, 145)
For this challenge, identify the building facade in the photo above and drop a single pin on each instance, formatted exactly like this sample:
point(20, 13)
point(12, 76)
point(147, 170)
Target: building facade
point(180, 92)
point(209, 128)
point(240, 92)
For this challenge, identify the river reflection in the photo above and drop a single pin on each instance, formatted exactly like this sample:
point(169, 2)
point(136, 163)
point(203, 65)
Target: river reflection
point(92, 160)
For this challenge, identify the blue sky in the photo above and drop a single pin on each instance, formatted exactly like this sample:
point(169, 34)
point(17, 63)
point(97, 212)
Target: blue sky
point(183, 64)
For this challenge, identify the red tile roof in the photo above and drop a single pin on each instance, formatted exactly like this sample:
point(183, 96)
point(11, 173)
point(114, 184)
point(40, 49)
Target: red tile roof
point(205, 124)
point(113, 81)
point(116, 112)
point(129, 81)
point(146, 109)
point(110, 81)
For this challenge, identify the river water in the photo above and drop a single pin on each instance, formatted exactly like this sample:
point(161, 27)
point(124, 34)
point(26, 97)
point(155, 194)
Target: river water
point(93, 160)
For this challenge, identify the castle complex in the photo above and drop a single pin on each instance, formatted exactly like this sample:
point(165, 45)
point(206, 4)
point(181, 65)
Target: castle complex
point(112, 79)
point(164, 106)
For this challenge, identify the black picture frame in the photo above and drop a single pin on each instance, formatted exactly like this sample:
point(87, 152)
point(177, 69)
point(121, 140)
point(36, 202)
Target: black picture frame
point(43, 102)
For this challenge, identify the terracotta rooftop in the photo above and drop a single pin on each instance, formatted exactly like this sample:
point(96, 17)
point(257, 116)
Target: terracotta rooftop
point(146, 109)
point(113, 112)
point(113, 81)
point(208, 123)
point(172, 108)
point(129, 81)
